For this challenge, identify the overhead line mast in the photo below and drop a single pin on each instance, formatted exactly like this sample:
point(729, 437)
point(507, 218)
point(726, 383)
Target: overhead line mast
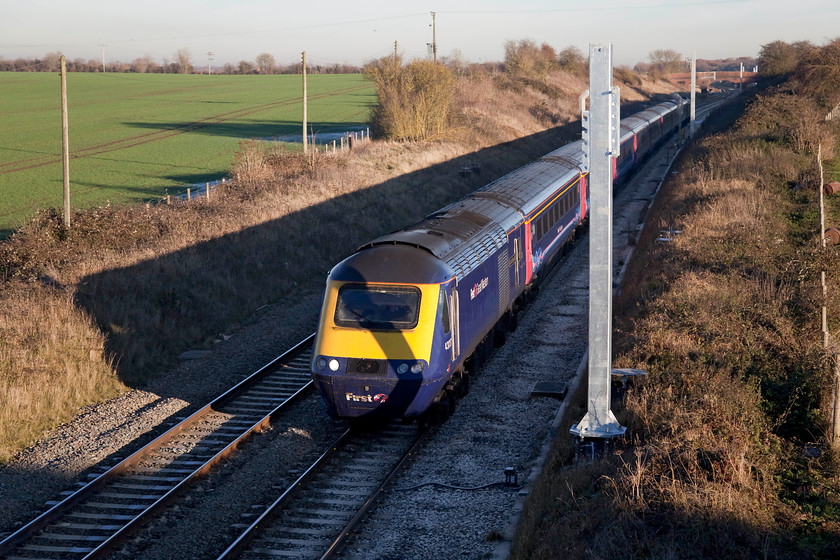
point(601, 145)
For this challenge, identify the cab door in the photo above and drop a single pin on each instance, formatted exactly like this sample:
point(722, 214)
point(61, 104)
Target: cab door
point(449, 317)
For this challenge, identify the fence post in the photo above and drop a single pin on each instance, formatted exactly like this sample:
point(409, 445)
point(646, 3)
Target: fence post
point(188, 193)
point(65, 142)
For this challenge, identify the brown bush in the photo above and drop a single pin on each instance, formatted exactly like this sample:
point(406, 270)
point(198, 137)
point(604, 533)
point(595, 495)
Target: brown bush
point(415, 101)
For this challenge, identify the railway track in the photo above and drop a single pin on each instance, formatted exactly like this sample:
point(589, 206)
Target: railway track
point(104, 512)
point(313, 517)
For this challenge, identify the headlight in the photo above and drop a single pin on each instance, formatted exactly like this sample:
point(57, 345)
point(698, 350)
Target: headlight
point(403, 368)
point(417, 368)
point(333, 365)
point(321, 363)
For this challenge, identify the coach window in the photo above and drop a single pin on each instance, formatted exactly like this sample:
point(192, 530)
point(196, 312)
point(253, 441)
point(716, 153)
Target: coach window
point(443, 311)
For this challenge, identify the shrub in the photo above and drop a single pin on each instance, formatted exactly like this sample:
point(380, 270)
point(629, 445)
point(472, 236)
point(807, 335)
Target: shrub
point(415, 101)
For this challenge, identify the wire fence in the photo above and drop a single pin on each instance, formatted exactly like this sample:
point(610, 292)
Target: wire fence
point(326, 143)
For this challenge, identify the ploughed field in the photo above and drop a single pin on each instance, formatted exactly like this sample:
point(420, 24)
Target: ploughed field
point(137, 137)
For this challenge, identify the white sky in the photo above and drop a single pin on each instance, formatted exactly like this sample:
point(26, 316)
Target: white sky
point(355, 31)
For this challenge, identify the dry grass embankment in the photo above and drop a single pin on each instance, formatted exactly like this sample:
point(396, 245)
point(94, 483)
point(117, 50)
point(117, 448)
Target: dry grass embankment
point(727, 453)
point(89, 312)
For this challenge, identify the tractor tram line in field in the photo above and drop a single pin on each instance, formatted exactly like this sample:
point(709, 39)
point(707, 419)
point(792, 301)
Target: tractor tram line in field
point(132, 141)
point(94, 520)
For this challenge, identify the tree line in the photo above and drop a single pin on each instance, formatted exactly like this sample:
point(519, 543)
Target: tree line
point(181, 63)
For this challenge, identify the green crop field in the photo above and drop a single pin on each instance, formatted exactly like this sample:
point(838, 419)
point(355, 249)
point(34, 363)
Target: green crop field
point(135, 137)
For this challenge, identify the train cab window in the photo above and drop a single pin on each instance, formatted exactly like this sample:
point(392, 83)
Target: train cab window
point(443, 311)
point(377, 307)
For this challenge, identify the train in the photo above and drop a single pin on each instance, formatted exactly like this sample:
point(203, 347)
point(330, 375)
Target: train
point(410, 315)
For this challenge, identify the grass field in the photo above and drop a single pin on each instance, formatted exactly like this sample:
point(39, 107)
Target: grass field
point(135, 137)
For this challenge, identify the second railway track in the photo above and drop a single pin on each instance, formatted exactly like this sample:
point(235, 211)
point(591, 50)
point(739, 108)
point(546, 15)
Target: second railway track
point(92, 521)
point(314, 515)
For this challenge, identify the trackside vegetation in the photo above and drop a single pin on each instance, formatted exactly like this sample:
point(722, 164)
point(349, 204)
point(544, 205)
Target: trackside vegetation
point(728, 451)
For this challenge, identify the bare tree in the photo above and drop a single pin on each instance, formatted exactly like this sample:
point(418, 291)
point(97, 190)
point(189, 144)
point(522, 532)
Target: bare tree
point(666, 61)
point(573, 61)
point(51, 60)
point(265, 63)
point(520, 56)
point(141, 65)
point(819, 72)
point(779, 58)
point(184, 58)
point(525, 57)
point(455, 61)
point(247, 67)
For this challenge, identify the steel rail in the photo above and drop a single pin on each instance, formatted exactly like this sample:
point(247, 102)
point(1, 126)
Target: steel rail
point(332, 545)
point(338, 545)
point(242, 541)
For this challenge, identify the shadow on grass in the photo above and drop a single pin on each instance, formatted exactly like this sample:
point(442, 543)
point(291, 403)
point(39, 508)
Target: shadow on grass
point(155, 310)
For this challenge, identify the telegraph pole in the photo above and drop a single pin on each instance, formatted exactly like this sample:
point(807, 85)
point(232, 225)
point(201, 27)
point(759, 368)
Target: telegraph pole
point(303, 69)
point(65, 142)
point(434, 37)
point(103, 45)
point(209, 61)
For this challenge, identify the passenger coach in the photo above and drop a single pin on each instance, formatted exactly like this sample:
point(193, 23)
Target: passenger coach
point(406, 317)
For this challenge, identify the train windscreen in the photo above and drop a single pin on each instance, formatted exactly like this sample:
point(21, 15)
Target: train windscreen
point(377, 307)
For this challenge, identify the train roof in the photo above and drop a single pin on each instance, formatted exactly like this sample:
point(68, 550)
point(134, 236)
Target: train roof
point(461, 235)
point(529, 187)
point(637, 121)
point(465, 233)
point(392, 263)
point(573, 151)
